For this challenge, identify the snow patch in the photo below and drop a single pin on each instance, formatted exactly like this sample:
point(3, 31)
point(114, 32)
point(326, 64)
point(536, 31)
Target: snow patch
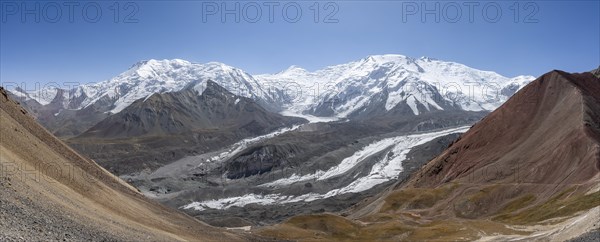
point(412, 103)
point(310, 118)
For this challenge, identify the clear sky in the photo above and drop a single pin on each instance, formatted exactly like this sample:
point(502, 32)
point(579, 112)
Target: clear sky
point(539, 37)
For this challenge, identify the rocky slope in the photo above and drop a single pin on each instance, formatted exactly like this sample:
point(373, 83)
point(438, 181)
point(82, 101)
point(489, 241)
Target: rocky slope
point(530, 170)
point(50, 192)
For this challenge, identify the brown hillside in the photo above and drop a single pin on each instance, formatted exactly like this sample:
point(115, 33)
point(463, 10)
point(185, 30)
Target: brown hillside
point(49, 192)
point(545, 137)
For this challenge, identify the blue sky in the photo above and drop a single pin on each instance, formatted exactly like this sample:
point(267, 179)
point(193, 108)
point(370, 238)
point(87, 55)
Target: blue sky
point(546, 35)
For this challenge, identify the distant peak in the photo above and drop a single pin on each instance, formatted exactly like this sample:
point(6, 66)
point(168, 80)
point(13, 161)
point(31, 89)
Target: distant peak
point(163, 62)
point(216, 63)
point(387, 58)
point(219, 64)
point(426, 58)
point(295, 68)
point(215, 89)
point(139, 64)
point(222, 66)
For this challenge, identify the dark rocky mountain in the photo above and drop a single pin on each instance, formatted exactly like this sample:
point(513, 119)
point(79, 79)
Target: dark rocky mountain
point(189, 111)
point(165, 127)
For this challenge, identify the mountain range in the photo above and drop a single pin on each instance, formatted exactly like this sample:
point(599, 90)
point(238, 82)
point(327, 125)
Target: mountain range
point(370, 87)
point(159, 111)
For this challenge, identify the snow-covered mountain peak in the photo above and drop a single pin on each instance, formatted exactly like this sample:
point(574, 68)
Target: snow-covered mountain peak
point(423, 83)
point(164, 63)
point(215, 64)
point(293, 70)
point(427, 58)
point(387, 58)
point(152, 68)
point(522, 80)
point(43, 96)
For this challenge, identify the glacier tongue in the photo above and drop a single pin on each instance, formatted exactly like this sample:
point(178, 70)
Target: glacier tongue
point(386, 169)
